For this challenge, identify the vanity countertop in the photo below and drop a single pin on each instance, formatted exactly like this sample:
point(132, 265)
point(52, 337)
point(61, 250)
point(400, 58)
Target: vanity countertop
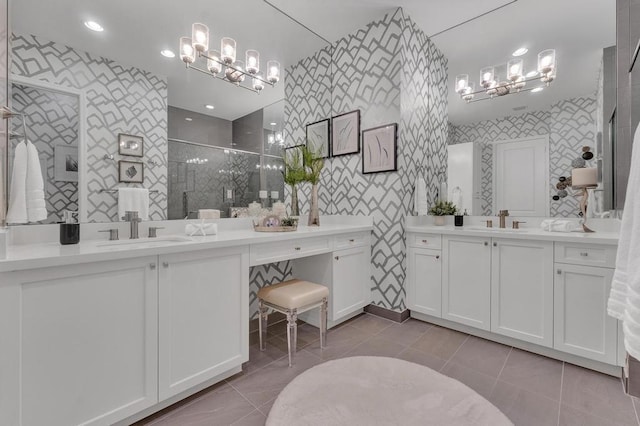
point(47, 254)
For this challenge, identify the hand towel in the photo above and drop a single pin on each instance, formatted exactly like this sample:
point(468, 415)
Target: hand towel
point(420, 197)
point(36, 207)
point(559, 225)
point(208, 214)
point(201, 229)
point(133, 199)
point(17, 212)
point(624, 299)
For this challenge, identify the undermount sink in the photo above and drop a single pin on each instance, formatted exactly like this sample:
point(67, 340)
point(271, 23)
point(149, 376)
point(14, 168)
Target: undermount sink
point(485, 229)
point(147, 241)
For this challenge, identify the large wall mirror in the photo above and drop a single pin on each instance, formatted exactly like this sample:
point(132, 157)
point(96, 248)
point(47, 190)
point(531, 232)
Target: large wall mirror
point(205, 143)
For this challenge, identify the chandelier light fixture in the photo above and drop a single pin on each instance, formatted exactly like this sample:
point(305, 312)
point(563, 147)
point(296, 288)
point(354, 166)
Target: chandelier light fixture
point(223, 64)
point(515, 79)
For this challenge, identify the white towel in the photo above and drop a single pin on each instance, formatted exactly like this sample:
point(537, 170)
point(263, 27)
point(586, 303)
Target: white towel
point(624, 299)
point(208, 214)
point(133, 199)
point(420, 197)
point(559, 225)
point(36, 207)
point(201, 229)
point(17, 212)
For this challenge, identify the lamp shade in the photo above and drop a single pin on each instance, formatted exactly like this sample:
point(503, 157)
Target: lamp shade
point(584, 177)
point(200, 37)
point(187, 54)
point(213, 63)
point(253, 61)
point(273, 71)
point(228, 50)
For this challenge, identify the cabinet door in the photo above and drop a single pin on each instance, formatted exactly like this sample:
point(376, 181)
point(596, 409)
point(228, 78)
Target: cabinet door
point(424, 281)
point(466, 280)
point(522, 290)
point(204, 318)
point(582, 326)
point(82, 341)
point(351, 289)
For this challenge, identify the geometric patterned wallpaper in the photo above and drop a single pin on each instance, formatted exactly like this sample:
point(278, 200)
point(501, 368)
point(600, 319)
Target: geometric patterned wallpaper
point(570, 124)
point(53, 120)
point(120, 99)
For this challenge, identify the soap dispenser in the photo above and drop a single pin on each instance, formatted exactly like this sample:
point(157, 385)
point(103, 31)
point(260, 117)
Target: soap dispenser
point(69, 228)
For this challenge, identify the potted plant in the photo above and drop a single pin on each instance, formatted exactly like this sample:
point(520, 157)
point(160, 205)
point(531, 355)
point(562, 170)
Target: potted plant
point(313, 164)
point(294, 174)
point(441, 209)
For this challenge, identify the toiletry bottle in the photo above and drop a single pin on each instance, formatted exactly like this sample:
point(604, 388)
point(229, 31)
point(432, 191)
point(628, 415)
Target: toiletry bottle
point(69, 228)
point(458, 220)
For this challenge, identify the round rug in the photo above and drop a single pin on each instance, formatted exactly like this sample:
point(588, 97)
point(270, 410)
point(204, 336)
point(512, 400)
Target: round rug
point(367, 390)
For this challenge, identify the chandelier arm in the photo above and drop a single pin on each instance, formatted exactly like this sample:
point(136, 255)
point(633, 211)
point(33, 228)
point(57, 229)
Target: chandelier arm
point(486, 98)
point(222, 78)
point(202, 55)
point(482, 91)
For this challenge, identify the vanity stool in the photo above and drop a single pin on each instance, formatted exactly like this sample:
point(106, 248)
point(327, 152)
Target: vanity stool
point(292, 298)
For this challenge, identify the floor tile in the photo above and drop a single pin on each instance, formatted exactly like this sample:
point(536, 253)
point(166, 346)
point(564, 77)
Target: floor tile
point(256, 418)
point(377, 346)
point(597, 394)
point(422, 358)
point(406, 333)
point(482, 355)
point(259, 359)
point(339, 342)
point(524, 408)
point(370, 323)
point(571, 417)
point(266, 407)
point(534, 373)
point(440, 342)
point(479, 382)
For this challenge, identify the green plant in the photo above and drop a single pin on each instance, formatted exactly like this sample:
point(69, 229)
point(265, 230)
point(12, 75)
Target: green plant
point(294, 171)
point(288, 221)
point(443, 208)
point(313, 163)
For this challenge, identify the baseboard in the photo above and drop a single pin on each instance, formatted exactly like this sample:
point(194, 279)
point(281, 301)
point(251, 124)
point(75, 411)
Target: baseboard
point(387, 313)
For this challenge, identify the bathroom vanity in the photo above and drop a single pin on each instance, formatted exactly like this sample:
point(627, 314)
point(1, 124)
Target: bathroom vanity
point(545, 292)
point(111, 331)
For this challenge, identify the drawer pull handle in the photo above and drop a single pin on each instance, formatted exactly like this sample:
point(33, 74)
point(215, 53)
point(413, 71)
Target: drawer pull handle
point(486, 243)
point(297, 248)
point(584, 254)
point(152, 266)
point(351, 240)
point(424, 241)
point(437, 257)
point(559, 272)
point(165, 264)
point(337, 257)
point(495, 244)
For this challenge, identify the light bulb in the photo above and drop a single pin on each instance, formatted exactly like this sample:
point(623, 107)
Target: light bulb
point(186, 50)
point(514, 69)
point(546, 61)
point(200, 37)
point(271, 139)
point(213, 62)
point(228, 49)
point(462, 81)
point(257, 82)
point(253, 61)
point(273, 75)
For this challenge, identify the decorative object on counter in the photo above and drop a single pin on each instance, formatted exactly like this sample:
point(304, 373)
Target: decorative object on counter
point(313, 165)
point(345, 134)
point(235, 71)
point(69, 228)
point(584, 178)
point(441, 209)
point(319, 136)
point(559, 225)
point(379, 146)
point(294, 174)
point(208, 214)
point(279, 209)
point(275, 224)
point(130, 145)
point(255, 209)
point(65, 163)
point(458, 220)
point(130, 171)
point(201, 228)
point(514, 82)
point(456, 197)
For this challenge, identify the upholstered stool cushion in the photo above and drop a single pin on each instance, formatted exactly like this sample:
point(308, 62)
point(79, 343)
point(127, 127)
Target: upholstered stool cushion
point(293, 294)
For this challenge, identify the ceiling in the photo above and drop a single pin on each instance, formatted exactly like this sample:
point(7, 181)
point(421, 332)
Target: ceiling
point(136, 31)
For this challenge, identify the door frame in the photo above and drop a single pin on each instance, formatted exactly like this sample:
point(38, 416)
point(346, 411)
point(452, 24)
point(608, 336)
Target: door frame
point(494, 184)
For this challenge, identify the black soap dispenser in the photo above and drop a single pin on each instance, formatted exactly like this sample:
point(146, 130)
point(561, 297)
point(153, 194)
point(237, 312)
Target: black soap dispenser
point(458, 220)
point(69, 228)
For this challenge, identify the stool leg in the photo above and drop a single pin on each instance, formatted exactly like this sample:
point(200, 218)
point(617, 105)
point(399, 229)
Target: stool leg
point(292, 334)
point(262, 324)
point(323, 324)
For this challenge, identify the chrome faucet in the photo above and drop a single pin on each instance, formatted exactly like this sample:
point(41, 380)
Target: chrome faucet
point(503, 216)
point(133, 219)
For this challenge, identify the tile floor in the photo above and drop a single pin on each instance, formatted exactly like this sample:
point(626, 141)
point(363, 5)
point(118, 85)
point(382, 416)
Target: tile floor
point(529, 389)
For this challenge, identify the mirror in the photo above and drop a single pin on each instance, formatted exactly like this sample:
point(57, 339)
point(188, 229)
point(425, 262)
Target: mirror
point(191, 156)
point(502, 166)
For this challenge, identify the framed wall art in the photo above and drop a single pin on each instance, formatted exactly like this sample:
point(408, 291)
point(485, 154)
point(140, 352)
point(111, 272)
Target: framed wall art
point(345, 133)
point(131, 171)
point(65, 163)
point(319, 135)
point(130, 145)
point(379, 149)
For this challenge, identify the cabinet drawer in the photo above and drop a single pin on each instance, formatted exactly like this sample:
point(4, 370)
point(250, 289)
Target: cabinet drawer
point(352, 240)
point(292, 249)
point(586, 254)
point(432, 241)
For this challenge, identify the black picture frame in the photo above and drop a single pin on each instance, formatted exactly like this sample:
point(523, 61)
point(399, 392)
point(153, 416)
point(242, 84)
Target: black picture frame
point(320, 135)
point(130, 171)
point(126, 145)
point(379, 149)
point(345, 133)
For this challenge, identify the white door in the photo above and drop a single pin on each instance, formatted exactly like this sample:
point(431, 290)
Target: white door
point(351, 290)
point(424, 279)
point(204, 318)
point(522, 290)
point(582, 325)
point(466, 280)
point(521, 176)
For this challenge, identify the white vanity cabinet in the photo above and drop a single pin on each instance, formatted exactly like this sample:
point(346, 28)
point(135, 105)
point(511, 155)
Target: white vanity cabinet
point(424, 274)
point(203, 316)
point(79, 343)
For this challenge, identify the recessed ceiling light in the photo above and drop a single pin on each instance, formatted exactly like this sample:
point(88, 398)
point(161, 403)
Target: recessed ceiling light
point(188, 119)
point(521, 51)
point(273, 124)
point(209, 106)
point(532, 73)
point(93, 26)
point(167, 53)
point(537, 89)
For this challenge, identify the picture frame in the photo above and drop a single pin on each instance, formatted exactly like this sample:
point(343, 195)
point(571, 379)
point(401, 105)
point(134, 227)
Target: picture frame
point(130, 171)
point(379, 149)
point(65, 163)
point(319, 135)
point(345, 134)
point(130, 145)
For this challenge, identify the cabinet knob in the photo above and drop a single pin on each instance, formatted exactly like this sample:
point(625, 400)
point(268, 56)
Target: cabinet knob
point(165, 264)
point(584, 254)
point(486, 243)
point(337, 257)
point(559, 272)
point(297, 248)
point(351, 240)
point(495, 244)
point(152, 266)
point(437, 257)
point(424, 241)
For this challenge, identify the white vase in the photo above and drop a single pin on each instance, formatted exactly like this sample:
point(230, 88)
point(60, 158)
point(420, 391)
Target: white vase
point(438, 220)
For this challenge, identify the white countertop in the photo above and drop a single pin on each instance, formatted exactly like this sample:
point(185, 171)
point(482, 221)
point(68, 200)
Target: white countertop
point(46, 254)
